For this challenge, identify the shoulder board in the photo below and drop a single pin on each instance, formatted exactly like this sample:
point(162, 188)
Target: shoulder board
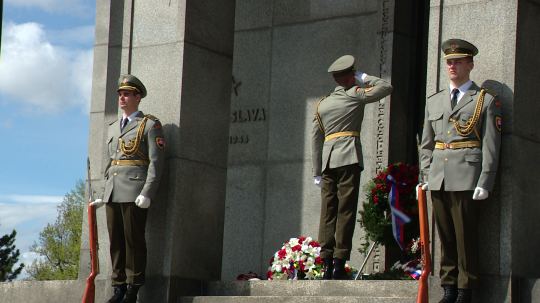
point(153, 118)
point(435, 94)
point(489, 91)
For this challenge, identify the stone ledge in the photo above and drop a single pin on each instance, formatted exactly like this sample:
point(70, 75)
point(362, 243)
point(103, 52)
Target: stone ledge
point(317, 288)
point(276, 299)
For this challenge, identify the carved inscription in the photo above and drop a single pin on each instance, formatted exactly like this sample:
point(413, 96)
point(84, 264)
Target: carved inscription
point(245, 115)
point(248, 115)
point(243, 139)
point(381, 107)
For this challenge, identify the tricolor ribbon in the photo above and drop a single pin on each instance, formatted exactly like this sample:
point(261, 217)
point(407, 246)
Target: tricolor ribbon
point(398, 217)
point(415, 273)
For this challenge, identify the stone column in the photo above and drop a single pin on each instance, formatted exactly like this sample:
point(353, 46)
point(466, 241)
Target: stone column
point(507, 63)
point(182, 51)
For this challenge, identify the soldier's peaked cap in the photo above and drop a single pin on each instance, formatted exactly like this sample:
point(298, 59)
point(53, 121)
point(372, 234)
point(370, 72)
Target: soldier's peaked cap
point(342, 64)
point(132, 83)
point(457, 48)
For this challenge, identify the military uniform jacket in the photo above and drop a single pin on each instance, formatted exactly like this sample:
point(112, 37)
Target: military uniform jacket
point(123, 183)
point(465, 168)
point(343, 110)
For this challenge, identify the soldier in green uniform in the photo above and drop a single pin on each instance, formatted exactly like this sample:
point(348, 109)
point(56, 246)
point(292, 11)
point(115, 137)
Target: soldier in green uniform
point(337, 159)
point(459, 156)
point(136, 150)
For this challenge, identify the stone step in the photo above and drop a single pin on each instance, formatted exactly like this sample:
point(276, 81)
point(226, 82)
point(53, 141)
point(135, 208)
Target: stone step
point(319, 288)
point(292, 299)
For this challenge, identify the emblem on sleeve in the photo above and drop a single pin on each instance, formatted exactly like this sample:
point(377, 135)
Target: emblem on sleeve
point(497, 103)
point(158, 126)
point(498, 123)
point(160, 142)
point(369, 88)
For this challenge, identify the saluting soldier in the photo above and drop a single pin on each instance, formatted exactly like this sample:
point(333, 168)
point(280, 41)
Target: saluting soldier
point(136, 150)
point(337, 159)
point(459, 156)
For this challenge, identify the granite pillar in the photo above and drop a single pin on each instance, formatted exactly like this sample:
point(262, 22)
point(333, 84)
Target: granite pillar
point(182, 51)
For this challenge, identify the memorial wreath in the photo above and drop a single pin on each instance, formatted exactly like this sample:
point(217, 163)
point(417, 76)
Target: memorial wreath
point(390, 215)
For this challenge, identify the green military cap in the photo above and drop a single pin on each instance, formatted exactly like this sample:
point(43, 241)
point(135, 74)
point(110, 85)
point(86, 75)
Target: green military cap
point(457, 48)
point(342, 64)
point(132, 83)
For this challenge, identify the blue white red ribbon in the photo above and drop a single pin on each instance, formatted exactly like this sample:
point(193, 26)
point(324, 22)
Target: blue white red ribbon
point(415, 273)
point(398, 217)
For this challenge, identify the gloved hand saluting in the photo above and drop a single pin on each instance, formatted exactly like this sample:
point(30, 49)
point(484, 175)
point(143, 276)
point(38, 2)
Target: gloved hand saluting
point(142, 202)
point(98, 203)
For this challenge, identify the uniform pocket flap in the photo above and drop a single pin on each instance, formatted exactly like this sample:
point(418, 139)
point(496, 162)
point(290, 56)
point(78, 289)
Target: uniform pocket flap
point(473, 157)
point(137, 177)
point(435, 116)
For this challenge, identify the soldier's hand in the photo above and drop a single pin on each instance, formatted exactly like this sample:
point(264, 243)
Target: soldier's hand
point(360, 76)
point(425, 186)
point(98, 203)
point(317, 181)
point(480, 193)
point(142, 201)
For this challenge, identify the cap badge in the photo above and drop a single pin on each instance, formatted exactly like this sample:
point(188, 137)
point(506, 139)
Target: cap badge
point(125, 81)
point(453, 46)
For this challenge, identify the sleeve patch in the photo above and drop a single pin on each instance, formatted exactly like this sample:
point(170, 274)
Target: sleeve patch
point(497, 103)
point(369, 88)
point(160, 142)
point(498, 123)
point(158, 126)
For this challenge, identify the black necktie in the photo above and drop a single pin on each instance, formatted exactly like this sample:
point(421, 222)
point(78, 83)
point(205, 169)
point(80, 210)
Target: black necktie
point(455, 92)
point(124, 123)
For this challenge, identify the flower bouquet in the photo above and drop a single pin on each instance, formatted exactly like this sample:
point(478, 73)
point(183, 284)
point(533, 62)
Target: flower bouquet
point(299, 259)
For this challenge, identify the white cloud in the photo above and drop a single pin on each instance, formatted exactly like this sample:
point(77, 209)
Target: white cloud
point(42, 77)
point(31, 199)
point(28, 220)
point(80, 7)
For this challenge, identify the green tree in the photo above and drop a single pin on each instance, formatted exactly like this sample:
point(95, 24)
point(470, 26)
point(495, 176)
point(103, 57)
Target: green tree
point(60, 243)
point(9, 256)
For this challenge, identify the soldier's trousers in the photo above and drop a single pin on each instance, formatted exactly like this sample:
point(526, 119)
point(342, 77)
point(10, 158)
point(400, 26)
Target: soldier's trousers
point(456, 217)
point(339, 192)
point(126, 223)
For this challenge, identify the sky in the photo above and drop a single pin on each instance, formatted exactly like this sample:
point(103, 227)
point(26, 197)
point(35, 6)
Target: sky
point(45, 86)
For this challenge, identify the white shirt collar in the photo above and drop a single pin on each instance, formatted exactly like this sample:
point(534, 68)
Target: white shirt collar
point(462, 89)
point(131, 116)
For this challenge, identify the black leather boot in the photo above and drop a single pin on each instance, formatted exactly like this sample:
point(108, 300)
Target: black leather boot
point(131, 294)
point(328, 268)
point(339, 270)
point(464, 296)
point(119, 292)
point(450, 294)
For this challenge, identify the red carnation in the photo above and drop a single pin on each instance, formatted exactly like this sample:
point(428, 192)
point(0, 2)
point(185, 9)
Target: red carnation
point(301, 239)
point(379, 186)
point(272, 261)
point(348, 269)
point(302, 265)
point(373, 191)
point(282, 254)
point(269, 274)
point(402, 166)
point(314, 244)
point(391, 169)
point(375, 199)
point(297, 248)
point(318, 260)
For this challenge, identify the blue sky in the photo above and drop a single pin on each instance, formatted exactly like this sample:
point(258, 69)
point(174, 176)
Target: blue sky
point(45, 86)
